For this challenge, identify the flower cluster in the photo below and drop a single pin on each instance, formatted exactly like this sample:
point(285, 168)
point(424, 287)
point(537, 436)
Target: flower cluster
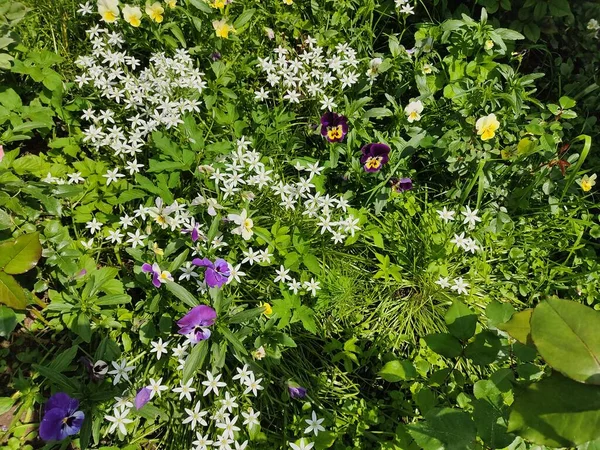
point(313, 72)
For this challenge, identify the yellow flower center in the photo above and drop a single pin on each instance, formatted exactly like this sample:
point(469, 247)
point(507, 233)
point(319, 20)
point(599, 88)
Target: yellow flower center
point(414, 115)
point(374, 162)
point(488, 132)
point(586, 185)
point(334, 132)
point(165, 275)
point(109, 16)
point(134, 21)
point(218, 4)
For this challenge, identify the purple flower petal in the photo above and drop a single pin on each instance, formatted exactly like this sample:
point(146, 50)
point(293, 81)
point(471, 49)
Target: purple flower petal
point(142, 397)
point(51, 425)
point(200, 335)
point(62, 401)
point(195, 234)
point(205, 262)
point(73, 424)
point(156, 279)
point(199, 316)
point(222, 267)
point(146, 267)
point(214, 278)
point(297, 392)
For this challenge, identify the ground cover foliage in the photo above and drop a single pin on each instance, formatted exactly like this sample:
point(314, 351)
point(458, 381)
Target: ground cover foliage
point(299, 224)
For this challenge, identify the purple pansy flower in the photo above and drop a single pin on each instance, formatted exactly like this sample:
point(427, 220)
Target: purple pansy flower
point(158, 276)
point(195, 323)
point(216, 274)
point(374, 156)
point(296, 391)
point(334, 126)
point(194, 230)
point(142, 397)
point(61, 419)
point(402, 184)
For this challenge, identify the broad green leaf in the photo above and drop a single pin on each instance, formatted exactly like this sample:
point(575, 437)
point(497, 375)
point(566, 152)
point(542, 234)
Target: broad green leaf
point(484, 349)
point(246, 315)
point(519, 327)
point(11, 294)
point(64, 359)
point(312, 263)
point(444, 344)
point(452, 427)
point(398, 370)
point(559, 8)
point(5, 404)
point(566, 334)
point(194, 361)
point(499, 313)
point(557, 412)
point(233, 339)
point(21, 254)
point(83, 327)
point(461, 321)
point(491, 424)
point(181, 293)
point(8, 321)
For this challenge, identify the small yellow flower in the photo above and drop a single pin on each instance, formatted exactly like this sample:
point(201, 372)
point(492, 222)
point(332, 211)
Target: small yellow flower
point(171, 3)
point(413, 111)
point(288, 2)
point(156, 249)
point(132, 15)
point(268, 309)
point(155, 11)
point(222, 28)
point(218, 4)
point(489, 44)
point(427, 69)
point(109, 10)
point(587, 182)
point(487, 126)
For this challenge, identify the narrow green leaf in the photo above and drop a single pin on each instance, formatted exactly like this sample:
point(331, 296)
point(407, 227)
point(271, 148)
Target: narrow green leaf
point(181, 293)
point(195, 360)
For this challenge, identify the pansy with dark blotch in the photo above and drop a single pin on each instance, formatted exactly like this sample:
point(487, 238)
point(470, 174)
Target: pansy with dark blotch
point(334, 126)
point(374, 156)
point(196, 322)
point(216, 274)
point(61, 418)
point(401, 184)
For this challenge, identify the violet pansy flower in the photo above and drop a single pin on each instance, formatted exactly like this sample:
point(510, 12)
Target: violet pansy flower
point(296, 391)
point(61, 418)
point(142, 397)
point(194, 324)
point(334, 126)
point(402, 184)
point(158, 276)
point(216, 274)
point(374, 156)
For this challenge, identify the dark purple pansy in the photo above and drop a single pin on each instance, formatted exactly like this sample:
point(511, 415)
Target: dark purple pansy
point(142, 397)
point(216, 274)
point(334, 126)
point(374, 156)
point(215, 56)
point(402, 184)
point(296, 391)
point(61, 419)
point(195, 323)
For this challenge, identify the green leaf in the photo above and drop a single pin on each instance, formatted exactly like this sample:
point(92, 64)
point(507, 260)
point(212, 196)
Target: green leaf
point(312, 263)
point(444, 344)
point(195, 360)
point(498, 313)
point(307, 317)
point(181, 293)
point(83, 327)
point(560, 8)
point(246, 315)
point(567, 102)
point(21, 254)
point(452, 427)
point(532, 31)
point(8, 321)
point(461, 321)
point(519, 327)
point(233, 339)
point(5, 404)
point(491, 424)
point(566, 334)
point(557, 412)
point(58, 379)
point(61, 362)
point(11, 294)
point(244, 18)
point(484, 348)
point(398, 370)
point(508, 34)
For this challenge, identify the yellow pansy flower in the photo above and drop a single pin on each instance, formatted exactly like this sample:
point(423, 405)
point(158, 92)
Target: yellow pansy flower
point(155, 11)
point(268, 309)
point(109, 10)
point(288, 2)
point(156, 249)
point(587, 182)
point(171, 3)
point(487, 126)
point(413, 111)
point(489, 44)
point(222, 28)
point(218, 4)
point(132, 15)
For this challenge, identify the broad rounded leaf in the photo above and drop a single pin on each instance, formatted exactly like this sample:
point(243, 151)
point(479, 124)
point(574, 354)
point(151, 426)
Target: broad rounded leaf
point(461, 321)
point(11, 294)
point(453, 427)
point(444, 344)
point(398, 371)
point(518, 326)
point(484, 348)
point(21, 254)
point(566, 334)
point(8, 321)
point(557, 412)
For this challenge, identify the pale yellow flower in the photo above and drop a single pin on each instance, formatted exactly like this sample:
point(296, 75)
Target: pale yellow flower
point(156, 249)
point(427, 69)
point(288, 2)
point(109, 10)
point(489, 44)
point(218, 4)
point(487, 126)
point(587, 182)
point(132, 15)
point(171, 3)
point(259, 353)
point(155, 11)
point(413, 110)
point(268, 309)
point(222, 28)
